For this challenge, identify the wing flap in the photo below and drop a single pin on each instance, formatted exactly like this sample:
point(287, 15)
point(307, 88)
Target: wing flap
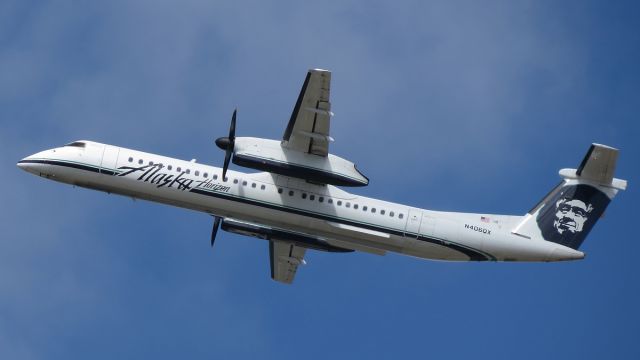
point(284, 259)
point(308, 128)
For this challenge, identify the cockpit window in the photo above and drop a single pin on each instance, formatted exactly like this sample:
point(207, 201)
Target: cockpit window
point(79, 144)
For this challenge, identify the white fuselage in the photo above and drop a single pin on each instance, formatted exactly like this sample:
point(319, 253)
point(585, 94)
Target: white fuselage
point(342, 219)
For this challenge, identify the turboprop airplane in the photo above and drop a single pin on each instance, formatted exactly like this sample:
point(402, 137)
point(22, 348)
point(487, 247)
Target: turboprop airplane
point(295, 202)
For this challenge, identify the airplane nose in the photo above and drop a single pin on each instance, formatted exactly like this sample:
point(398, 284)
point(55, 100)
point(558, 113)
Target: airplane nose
point(38, 163)
point(25, 165)
point(32, 164)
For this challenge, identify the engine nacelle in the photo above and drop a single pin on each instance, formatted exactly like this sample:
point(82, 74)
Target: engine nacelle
point(269, 233)
point(269, 155)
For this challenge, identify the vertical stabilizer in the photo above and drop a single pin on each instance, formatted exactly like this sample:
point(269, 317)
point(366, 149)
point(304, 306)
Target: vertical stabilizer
point(567, 214)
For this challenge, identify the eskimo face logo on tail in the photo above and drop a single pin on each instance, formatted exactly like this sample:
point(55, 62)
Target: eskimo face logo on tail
point(571, 215)
point(568, 216)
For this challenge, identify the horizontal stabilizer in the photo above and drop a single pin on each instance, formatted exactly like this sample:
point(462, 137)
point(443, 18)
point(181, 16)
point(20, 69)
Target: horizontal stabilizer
point(599, 164)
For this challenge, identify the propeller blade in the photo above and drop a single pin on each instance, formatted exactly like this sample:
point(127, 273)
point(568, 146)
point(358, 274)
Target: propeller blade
point(227, 158)
point(214, 230)
point(230, 143)
point(232, 128)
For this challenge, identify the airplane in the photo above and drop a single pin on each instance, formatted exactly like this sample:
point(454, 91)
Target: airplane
point(295, 202)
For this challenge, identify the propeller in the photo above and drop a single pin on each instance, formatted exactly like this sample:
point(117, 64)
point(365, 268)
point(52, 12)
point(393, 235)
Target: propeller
point(227, 144)
point(214, 230)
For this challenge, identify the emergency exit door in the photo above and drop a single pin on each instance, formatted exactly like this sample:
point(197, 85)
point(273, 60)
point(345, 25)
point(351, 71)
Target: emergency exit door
point(413, 223)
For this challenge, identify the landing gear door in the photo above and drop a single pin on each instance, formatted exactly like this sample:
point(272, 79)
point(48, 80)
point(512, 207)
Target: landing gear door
point(109, 160)
point(413, 223)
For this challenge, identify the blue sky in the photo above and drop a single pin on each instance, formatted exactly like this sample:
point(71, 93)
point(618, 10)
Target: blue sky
point(460, 106)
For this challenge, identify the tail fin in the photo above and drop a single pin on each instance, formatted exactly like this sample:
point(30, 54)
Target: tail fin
point(567, 214)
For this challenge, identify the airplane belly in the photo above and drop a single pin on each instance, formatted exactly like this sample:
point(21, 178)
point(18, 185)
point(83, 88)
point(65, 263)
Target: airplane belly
point(222, 202)
point(339, 236)
point(433, 251)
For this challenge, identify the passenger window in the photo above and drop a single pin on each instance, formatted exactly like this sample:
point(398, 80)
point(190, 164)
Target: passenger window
point(401, 215)
point(215, 177)
point(321, 199)
point(330, 201)
point(178, 169)
point(279, 190)
point(130, 159)
point(197, 173)
point(381, 212)
point(373, 210)
point(304, 195)
point(364, 208)
point(339, 203)
point(312, 197)
point(262, 187)
point(244, 183)
point(355, 206)
point(225, 179)
point(391, 214)
point(206, 175)
point(290, 192)
point(188, 171)
point(140, 162)
point(150, 162)
point(253, 185)
point(348, 204)
point(169, 167)
point(235, 181)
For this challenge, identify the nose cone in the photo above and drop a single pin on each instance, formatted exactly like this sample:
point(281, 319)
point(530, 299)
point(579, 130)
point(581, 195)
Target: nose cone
point(27, 165)
point(36, 163)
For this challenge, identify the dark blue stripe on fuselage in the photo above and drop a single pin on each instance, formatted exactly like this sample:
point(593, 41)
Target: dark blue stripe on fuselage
point(473, 254)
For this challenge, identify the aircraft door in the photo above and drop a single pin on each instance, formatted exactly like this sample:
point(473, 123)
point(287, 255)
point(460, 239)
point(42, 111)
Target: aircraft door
point(109, 159)
point(427, 226)
point(413, 223)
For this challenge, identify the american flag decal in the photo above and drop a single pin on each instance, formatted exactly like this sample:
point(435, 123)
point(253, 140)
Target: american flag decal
point(485, 219)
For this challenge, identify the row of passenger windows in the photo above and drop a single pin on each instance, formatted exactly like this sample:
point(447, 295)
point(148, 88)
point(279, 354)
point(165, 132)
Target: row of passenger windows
point(304, 195)
point(346, 204)
point(178, 169)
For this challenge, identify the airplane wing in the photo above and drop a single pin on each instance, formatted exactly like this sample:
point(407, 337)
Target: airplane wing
point(285, 258)
point(308, 128)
